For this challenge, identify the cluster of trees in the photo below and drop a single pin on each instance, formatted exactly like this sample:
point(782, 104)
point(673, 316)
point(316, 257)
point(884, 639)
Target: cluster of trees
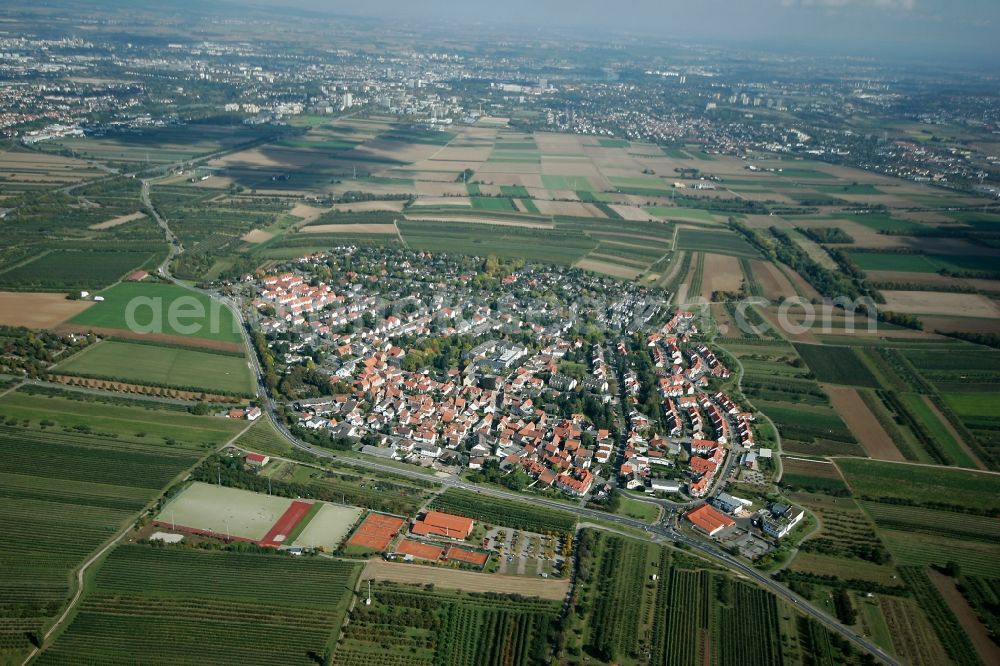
point(826, 234)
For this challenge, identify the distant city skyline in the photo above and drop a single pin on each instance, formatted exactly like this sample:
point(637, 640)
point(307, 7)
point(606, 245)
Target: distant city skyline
point(961, 31)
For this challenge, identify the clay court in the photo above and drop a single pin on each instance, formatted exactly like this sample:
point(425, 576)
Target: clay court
point(468, 581)
point(38, 310)
point(376, 531)
point(424, 551)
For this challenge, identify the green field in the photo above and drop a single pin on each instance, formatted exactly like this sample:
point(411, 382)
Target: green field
point(718, 241)
point(422, 626)
point(178, 606)
point(922, 263)
point(638, 603)
point(540, 245)
point(836, 365)
point(493, 203)
point(125, 423)
point(157, 365)
point(151, 309)
point(922, 485)
point(567, 183)
point(71, 270)
point(65, 492)
point(503, 512)
point(680, 213)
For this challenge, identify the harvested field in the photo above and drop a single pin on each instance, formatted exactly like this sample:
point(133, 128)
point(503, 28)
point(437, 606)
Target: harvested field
point(614, 270)
point(116, 221)
point(940, 303)
point(632, 213)
point(965, 324)
point(307, 213)
point(38, 310)
point(467, 581)
point(349, 229)
point(256, 236)
point(987, 650)
point(370, 206)
point(773, 282)
point(568, 208)
point(866, 428)
point(721, 273)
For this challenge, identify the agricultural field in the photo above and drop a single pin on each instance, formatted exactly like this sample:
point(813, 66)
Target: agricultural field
point(37, 309)
point(74, 270)
point(503, 512)
point(148, 308)
point(65, 492)
point(177, 367)
point(407, 625)
point(637, 603)
point(836, 365)
point(126, 420)
point(230, 607)
point(924, 486)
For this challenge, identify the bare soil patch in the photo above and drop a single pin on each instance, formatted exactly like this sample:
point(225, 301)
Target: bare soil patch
point(772, 281)
point(614, 270)
point(469, 581)
point(569, 208)
point(115, 221)
point(988, 651)
point(38, 310)
point(962, 324)
point(721, 273)
point(633, 213)
point(870, 433)
point(370, 206)
point(940, 303)
point(256, 236)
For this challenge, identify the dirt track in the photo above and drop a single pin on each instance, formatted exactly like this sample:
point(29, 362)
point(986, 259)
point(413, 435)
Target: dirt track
point(469, 581)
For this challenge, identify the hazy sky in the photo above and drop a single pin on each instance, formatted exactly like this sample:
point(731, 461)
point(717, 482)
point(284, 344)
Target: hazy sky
point(957, 29)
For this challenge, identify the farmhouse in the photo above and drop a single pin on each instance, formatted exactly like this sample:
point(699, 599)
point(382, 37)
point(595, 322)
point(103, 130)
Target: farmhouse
point(709, 520)
point(256, 459)
point(442, 524)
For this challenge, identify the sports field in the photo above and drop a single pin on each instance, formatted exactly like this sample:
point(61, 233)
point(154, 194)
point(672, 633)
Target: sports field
point(163, 366)
point(327, 529)
point(219, 511)
point(160, 309)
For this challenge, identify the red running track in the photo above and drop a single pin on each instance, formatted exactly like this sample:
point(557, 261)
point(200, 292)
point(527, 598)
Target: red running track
point(285, 524)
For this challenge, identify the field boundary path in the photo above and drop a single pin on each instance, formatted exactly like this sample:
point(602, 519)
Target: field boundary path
point(81, 572)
